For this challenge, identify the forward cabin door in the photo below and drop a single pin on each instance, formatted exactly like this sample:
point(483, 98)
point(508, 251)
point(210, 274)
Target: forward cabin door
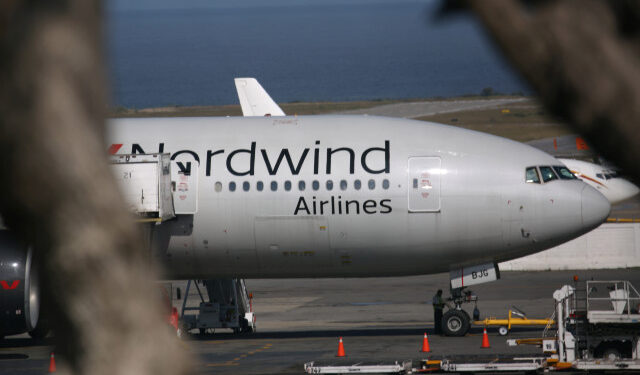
point(424, 183)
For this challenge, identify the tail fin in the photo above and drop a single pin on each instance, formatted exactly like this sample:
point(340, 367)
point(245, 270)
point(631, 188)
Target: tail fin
point(254, 100)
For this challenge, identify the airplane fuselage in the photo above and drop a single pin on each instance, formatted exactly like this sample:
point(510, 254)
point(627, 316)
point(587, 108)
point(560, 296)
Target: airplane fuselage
point(351, 196)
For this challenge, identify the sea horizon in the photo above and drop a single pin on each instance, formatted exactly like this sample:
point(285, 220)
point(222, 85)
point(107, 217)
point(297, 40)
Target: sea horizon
point(299, 53)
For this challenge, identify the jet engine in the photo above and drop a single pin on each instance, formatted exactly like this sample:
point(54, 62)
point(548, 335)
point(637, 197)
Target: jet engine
point(19, 289)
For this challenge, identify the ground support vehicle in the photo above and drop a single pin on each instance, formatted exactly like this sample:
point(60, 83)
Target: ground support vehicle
point(514, 318)
point(225, 304)
point(596, 320)
point(395, 368)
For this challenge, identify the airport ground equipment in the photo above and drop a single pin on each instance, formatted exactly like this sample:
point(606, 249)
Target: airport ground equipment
point(596, 319)
point(157, 190)
point(145, 183)
point(396, 368)
point(598, 329)
point(515, 318)
point(225, 304)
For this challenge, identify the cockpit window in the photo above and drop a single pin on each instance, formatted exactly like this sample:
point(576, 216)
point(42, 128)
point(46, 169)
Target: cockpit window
point(609, 174)
point(547, 174)
point(600, 176)
point(531, 175)
point(564, 173)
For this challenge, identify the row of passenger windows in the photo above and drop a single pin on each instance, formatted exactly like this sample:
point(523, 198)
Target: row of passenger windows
point(547, 173)
point(302, 185)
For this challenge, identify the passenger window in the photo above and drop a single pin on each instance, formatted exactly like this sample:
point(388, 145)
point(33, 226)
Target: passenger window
point(274, 185)
point(218, 186)
point(357, 184)
point(385, 184)
point(301, 185)
point(329, 185)
point(315, 185)
point(531, 175)
point(372, 184)
point(259, 186)
point(245, 186)
point(287, 185)
point(343, 185)
point(232, 186)
point(547, 174)
point(564, 173)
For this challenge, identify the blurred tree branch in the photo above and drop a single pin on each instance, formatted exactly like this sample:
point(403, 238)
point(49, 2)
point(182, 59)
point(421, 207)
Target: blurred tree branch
point(59, 195)
point(583, 59)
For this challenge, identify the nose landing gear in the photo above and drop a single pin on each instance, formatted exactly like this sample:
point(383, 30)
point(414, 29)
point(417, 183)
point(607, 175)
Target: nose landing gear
point(457, 322)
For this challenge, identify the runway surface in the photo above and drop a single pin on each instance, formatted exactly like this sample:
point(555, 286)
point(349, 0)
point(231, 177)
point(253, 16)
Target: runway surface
point(381, 320)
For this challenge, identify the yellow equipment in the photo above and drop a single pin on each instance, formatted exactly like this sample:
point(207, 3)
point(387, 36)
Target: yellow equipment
point(516, 318)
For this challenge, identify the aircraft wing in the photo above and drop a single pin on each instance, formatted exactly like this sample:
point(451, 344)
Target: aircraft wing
point(254, 100)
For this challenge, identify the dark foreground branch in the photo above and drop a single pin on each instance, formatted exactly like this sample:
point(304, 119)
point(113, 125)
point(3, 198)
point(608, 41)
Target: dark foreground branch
point(58, 193)
point(583, 59)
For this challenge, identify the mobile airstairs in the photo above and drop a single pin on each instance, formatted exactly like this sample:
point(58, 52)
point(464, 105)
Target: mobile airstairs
point(225, 303)
point(161, 192)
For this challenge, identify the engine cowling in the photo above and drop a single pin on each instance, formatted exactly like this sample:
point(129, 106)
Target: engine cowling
point(19, 288)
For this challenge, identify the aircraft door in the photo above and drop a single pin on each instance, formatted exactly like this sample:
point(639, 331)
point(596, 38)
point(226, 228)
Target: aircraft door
point(185, 194)
point(424, 184)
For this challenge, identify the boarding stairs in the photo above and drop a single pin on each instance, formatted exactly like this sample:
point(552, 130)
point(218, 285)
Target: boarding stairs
point(220, 303)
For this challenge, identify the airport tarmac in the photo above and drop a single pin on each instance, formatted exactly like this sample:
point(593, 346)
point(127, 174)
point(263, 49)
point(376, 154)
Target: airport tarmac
point(428, 108)
point(381, 320)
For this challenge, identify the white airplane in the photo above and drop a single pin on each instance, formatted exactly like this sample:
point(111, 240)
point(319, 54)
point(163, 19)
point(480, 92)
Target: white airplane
point(605, 180)
point(353, 196)
point(324, 196)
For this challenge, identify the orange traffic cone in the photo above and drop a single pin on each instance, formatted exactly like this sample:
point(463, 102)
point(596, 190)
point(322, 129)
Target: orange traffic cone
point(485, 340)
point(52, 363)
point(341, 352)
point(425, 344)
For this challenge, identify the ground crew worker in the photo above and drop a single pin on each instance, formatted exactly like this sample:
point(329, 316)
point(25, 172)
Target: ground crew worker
point(438, 306)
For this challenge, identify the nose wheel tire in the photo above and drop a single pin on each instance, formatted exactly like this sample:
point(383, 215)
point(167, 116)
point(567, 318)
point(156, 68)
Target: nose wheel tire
point(455, 323)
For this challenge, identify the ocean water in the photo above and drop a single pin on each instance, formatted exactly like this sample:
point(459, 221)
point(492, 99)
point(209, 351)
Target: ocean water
point(309, 52)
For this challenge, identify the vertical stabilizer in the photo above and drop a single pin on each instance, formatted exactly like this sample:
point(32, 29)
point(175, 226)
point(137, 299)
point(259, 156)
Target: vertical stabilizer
point(254, 100)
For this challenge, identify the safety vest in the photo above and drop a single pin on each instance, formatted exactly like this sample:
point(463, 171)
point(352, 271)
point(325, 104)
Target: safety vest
point(438, 302)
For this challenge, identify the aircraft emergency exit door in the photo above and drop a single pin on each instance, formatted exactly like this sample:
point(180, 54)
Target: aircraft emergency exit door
point(424, 183)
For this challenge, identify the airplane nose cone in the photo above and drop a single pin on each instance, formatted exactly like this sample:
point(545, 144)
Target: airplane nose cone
point(627, 190)
point(595, 208)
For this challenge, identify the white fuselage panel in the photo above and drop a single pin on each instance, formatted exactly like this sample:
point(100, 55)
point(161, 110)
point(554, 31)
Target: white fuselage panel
point(324, 196)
